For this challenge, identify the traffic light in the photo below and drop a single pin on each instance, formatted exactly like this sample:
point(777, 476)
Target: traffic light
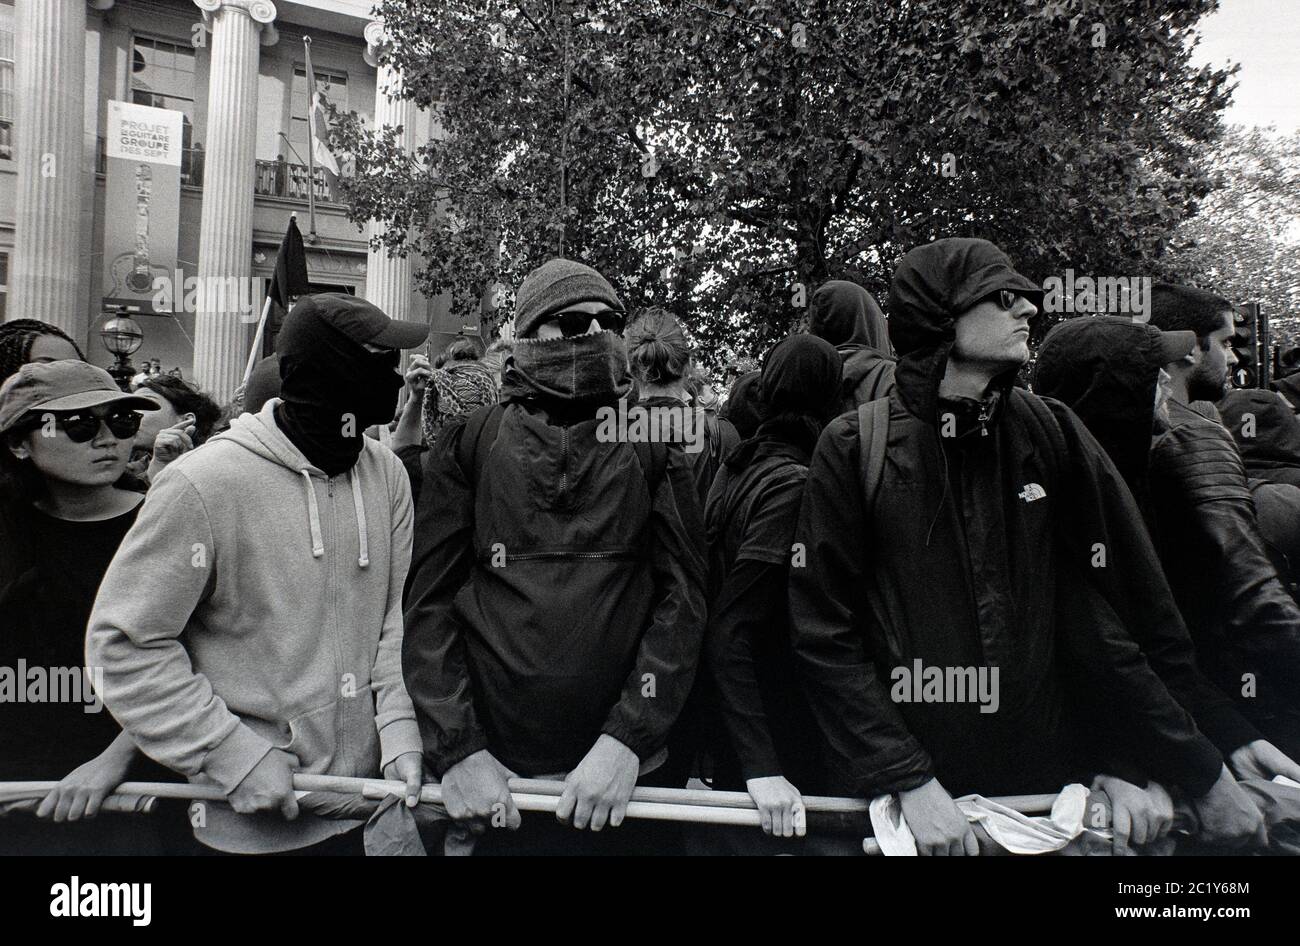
point(1245, 343)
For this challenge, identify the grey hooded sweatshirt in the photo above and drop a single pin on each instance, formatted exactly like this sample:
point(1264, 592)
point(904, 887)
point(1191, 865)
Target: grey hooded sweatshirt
point(257, 604)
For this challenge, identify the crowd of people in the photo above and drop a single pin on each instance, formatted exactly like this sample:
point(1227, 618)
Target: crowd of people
point(770, 593)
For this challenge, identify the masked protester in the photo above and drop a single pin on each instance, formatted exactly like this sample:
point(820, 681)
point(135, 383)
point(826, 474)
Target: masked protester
point(845, 315)
point(952, 529)
point(250, 626)
point(555, 608)
point(751, 516)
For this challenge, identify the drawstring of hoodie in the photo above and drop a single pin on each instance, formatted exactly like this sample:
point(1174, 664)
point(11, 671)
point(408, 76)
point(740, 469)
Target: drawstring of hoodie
point(313, 518)
point(364, 559)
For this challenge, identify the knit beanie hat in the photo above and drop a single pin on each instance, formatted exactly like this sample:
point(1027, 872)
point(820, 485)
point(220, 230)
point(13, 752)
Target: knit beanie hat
point(556, 285)
point(454, 391)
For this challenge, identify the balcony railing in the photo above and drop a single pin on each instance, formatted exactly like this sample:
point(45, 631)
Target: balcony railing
point(284, 179)
point(272, 178)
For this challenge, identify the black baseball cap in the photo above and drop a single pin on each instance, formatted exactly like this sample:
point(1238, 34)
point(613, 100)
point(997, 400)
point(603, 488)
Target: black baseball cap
point(359, 320)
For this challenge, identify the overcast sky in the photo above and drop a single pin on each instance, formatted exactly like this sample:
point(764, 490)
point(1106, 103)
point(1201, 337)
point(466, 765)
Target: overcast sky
point(1264, 36)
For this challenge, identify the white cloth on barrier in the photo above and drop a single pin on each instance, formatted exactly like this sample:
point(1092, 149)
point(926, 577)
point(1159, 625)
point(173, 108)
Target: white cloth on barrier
point(1013, 831)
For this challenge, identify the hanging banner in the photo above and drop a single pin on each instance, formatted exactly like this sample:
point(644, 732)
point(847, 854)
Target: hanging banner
point(142, 205)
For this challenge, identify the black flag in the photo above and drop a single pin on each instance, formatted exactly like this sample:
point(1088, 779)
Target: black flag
point(289, 281)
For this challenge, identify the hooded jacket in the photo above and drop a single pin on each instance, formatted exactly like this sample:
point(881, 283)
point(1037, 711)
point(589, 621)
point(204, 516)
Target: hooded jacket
point(848, 317)
point(555, 599)
point(978, 552)
point(256, 604)
point(751, 517)
point(1267, 432)
point(1237, 608)
point(1193, 494)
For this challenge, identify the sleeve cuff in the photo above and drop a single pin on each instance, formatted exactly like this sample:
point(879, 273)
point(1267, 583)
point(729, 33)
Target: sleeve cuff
point(642, 746)
point(235, 756)
point(445, 760)
point(397, 738)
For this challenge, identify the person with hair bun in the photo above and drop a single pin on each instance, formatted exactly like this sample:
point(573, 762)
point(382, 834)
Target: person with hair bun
point(660, 358)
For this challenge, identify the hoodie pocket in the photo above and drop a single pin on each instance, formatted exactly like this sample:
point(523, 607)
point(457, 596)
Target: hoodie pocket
point(313, 739)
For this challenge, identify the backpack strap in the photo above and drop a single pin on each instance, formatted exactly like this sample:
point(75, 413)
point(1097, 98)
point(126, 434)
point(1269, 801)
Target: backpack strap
point(653, 458)
point(876, 383)
point(873, 438)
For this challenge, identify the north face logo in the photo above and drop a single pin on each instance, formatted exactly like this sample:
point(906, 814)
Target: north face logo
point(1031, 492)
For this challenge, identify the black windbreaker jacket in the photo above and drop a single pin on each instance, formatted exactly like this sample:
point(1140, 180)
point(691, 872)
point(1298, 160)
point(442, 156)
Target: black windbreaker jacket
point(554, 600)
point(1029, 555)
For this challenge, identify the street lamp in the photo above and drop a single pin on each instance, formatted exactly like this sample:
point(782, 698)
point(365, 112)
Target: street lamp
point(122, 337)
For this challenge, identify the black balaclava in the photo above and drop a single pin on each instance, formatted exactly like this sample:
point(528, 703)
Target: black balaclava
point(325, 379)
point(798, 392)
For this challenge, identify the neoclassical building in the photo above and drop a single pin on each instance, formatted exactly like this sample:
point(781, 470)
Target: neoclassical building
point(235, 70)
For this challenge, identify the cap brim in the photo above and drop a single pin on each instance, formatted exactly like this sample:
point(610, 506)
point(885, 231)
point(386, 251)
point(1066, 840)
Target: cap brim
point(76, 402)
point(1176, 344)
point(1024, 286)
point(402, 335)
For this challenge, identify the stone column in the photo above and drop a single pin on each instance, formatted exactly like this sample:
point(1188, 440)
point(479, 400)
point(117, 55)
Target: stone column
point(222, 334)
point(388, 278)
point(50, 87)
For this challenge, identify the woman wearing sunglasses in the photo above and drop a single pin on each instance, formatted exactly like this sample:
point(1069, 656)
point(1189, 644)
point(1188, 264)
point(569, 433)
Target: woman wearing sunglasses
point(68, 431)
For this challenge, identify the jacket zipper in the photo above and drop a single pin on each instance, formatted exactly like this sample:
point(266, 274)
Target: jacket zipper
point(564, 459)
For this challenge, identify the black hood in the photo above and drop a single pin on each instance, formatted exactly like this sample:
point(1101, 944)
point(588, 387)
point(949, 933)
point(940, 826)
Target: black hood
point(1105, 369)
point(1275, 440)
point(848, 317)
point(932, 285)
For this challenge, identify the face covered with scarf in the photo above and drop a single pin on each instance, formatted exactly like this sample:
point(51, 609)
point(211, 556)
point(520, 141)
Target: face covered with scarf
point(568, 350)
point(332, 386)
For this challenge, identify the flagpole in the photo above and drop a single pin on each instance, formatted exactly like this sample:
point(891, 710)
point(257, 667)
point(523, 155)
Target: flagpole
point(257, 338)
point(311, 142)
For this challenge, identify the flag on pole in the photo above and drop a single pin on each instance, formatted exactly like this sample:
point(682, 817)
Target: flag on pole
point(288, 281)
point(317, 119)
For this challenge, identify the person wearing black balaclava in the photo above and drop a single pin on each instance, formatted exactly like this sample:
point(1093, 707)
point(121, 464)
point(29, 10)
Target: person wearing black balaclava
point(250, 625)
point(556, 603)
point(771, 744)
point(335, 378)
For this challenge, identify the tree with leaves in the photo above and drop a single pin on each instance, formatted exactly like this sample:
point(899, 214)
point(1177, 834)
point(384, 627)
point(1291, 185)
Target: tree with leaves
point(1244, 243)
point(721, 159)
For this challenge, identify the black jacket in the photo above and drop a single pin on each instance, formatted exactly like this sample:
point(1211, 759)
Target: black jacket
point(1267, 432)
point(554, 600)
point(751, 517)
point(976, 568)
point(1239, 611)
point(1194, 498)
point(848, 317)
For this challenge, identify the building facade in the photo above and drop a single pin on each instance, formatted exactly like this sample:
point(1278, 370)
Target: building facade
point(235, 70)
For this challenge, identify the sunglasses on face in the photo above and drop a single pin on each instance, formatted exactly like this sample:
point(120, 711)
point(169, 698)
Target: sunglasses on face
point(577, 323)
point(1005, 298)
point(82, 426)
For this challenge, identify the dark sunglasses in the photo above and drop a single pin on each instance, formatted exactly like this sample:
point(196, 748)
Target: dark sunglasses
point(577, 323)
point(1006, 298)
point(82, 426)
